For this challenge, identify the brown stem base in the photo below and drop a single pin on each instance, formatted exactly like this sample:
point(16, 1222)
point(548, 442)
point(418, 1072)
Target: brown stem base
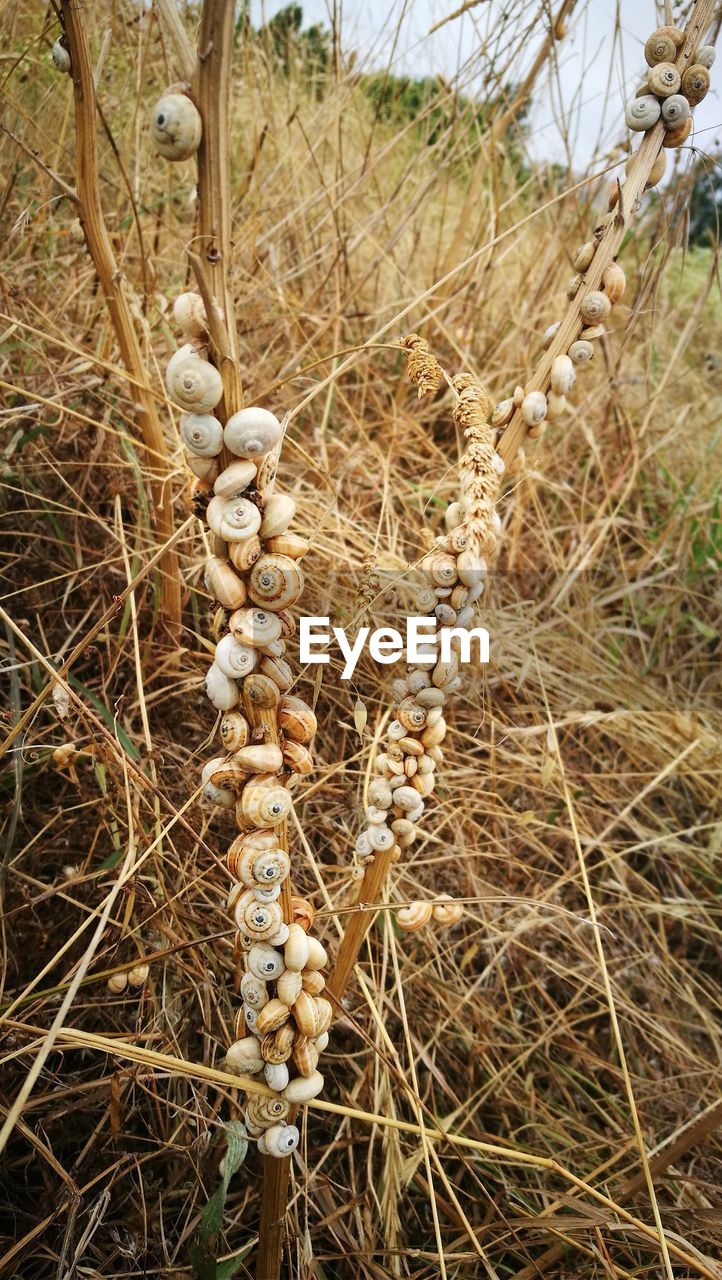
point(359, 925)
point(273, 1213)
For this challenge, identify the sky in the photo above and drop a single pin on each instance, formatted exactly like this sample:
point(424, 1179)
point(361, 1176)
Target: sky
point(594, 70)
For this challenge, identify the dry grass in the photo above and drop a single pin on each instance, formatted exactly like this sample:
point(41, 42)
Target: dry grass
point(583, 767)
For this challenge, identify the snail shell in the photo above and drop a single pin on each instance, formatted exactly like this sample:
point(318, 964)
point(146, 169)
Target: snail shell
point(194, 384)
point(264, 867)
point(433, 697)
point(203, 434)
point(257, 627)
point(236, 478)
point(705, 56)
point(312, 981)
point(550, 334)
point(266, 1111)
point(296, 719)
point(279, 1141)
point(245, 553)
point(411, 714)
point(556, 405)
point(660, 47)
point(278, 512)
point(264, 802)
point(218, 795)
point(642, 113)
point(252, 432)
point(442, 569)
point(261, 757)
point(581, 352)
point(244, 1057)
point(189, 314)
point(305, 1056)
point(234, 659)
point(594, 307)
point(279, 671)
point(533, 410)
point(288, 544)
point(583, 257)
point(296, 950)
point(675, 109)
point(381, 837)
point(233, 519)
point(222, 691)
point(260, 691)
point(258, 919)
point(272, 1016)
point(265, 962)
point(60, 56)
point(656, 173)
point(675, 137)
point(204, 468)
point(305, 1014)
point(254, 991)
point(289, 986)
point(223, 584)
point(471, 567)
point(224, 773)
point(235, 731)
point(275, 582)
point(434, 734)
point(563, 376)
point(415, 916)
point(664, 79)
point(453, 516)
point(379, 793)
point(138, 975)
point(303, 912)
point(303, 1088)
point(695, 84)
point(573, 286)
point(117, 982)
point(278, 1046)
point(447, 912)
point(297, 757)
point(503, 413)
point(276, 1075)
point(176, 127)
point(614, 281)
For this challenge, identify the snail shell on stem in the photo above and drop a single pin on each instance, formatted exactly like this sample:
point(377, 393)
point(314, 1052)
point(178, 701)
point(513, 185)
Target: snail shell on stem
point(252, 432)
point(642, 113)
point(176, 126)
point(194, 384)
point(202, 433)
point(189, 314)
point(664, 79)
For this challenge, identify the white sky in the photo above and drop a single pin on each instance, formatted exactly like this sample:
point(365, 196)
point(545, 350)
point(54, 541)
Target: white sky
point(589, 59)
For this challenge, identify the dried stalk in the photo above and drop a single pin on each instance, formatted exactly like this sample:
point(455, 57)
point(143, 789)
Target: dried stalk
point(122, 307)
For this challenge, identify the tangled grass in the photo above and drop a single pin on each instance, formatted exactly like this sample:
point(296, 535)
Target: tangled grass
point(581, 780)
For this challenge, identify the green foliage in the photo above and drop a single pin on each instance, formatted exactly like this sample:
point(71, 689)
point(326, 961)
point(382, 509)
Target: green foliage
point(705, 206)
point(205, 1247)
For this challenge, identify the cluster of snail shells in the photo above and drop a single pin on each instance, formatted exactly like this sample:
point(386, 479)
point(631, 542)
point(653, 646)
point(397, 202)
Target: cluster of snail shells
point(176, 125)
point(666, 94)
point(412, 748)
point(256, 578)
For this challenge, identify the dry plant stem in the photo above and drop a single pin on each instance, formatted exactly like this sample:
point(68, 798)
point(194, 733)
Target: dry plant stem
point(358, 924)
point(638, 173)
point(116, 290)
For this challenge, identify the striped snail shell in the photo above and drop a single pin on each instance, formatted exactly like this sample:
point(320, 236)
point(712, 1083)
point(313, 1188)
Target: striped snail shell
point(272, 1016)
point(222, 691)
point(278, 512)
point(234, 659)
point(244, 554)
point(259, 919)
point(289, 986)
point(695, 84)
point(235, 731)
point(305, 1056)
point(563, 376)
point(297, 757)
point(415, 916)
point(176, 127)
point(280, 1140)
point(260, 757)
point(257, 627)
point(642, 113)
point(275, 582)
point(304, 1088)
point(244, 1057)
point(189, 314)
point(265, 962)
point(288, 544)
point(233, 519)
point(705, 56)
point(441, 569)
point(264, 802)
point(203, 434)
point(660, 47)
point(445, 911)
point(594, 307)
point(581, 352)
point(278, 1046)
point(223, 584)
point(260, 691)
point(410, 713)
point(664, 79)
point(236, 478)
point(305, 1014)
point(252, 432)
point(254, 991)
point(533, 410)
point(312, 981)
point(279, 671)
point(266, 1111)
point(614, 281)
point(296, 719)
point(675, 137)
point(194, 384)
point(675, 109)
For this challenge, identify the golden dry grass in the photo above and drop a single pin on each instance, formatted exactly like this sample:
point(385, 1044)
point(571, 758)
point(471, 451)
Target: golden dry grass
point(582, 776)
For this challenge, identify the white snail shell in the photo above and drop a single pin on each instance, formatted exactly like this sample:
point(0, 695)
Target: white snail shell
point(252, 432)
point(234, 659)
point(280, 1140)
point(236, 478)
point(550, 334)
point(202, 434)
point(257, 627)
point(260, 757)
point(581, 352)
point(61, 57)
point(244, 1057)
point(705, 56)
point(642, 113)
point(556, 405)
point(276, 1075)
point(275, 581)
point(675, 109)
point(221, 690)
point(446, 911)
point(265, 962)
point(254, 991)
point(415, 916)
point(664, 79)
point(614, 281)
point(224, 584)
point(176, 126)
point(189, 314)
point(233, 519)
point(563, 376)
point(218, 796)
point(533, 409)
point(304, 1088)
point(278, 512)
point(194, 384)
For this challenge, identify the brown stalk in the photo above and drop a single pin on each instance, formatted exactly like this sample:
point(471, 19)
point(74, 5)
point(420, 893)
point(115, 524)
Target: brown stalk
point(118, 296)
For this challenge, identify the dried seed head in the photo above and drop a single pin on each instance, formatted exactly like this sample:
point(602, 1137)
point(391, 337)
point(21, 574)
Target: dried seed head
point(423, 368)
